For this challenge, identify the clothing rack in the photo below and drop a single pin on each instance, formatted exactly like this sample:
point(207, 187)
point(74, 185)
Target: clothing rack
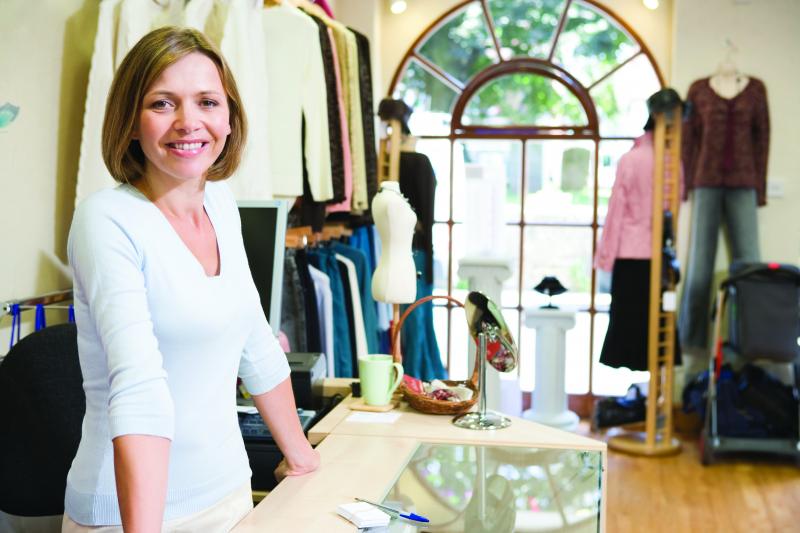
point(48, 300)
point(657, 439)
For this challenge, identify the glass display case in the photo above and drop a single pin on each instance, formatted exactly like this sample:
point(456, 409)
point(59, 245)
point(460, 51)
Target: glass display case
point(498, 489)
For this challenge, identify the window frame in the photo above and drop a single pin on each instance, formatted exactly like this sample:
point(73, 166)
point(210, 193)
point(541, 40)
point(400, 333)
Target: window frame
point(462, 132)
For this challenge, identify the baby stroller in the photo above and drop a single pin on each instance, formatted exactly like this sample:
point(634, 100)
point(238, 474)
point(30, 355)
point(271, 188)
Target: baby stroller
point(761, 303)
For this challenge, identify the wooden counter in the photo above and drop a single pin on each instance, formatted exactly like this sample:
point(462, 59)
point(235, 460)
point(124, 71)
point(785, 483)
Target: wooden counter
point(364, 459)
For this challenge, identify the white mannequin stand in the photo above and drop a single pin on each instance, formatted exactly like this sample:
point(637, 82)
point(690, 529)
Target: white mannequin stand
point(487, 276)
point(549, 395)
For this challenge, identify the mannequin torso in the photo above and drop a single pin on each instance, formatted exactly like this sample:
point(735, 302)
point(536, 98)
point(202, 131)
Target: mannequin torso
point(728, 82)
point(395, 278)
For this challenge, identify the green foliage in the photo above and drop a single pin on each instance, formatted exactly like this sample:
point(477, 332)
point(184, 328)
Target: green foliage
point(524, 98)
point(589, 46)
point(526, 27)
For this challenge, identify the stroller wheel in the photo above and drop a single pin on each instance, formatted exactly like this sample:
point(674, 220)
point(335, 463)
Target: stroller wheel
point(706, 450)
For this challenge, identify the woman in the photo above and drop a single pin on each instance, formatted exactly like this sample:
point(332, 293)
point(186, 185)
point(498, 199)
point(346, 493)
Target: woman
point(166, 308)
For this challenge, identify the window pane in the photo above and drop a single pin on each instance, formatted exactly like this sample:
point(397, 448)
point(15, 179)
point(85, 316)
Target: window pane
point(524, 99)
point(621, 99)
point(562, 252)
point(560, 181)
point(441, 238)
point(607, 381)
point(440, 328)
point(512, 235)
point(488, 186)
point(462, 46)
point(506, 249)
point(438, 151)
point(527, 357)
point(458, 342)
point(525, 27)
point(590, 44)
point(431, 100)
point(577, 356)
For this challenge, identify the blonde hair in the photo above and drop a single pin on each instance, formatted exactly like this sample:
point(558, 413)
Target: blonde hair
point(138, 71)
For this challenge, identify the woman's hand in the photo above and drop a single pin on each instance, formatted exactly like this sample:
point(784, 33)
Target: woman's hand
point(304, 462)
point(278, 410)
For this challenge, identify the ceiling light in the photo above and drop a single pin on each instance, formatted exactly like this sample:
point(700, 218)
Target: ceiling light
point(650, 4)
point(398, 6)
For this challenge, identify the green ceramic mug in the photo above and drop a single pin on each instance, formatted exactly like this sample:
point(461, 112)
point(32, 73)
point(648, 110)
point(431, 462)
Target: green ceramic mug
point(379, 376)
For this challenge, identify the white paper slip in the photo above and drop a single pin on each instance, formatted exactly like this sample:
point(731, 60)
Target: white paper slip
point(363, 515)
point(373, 418)
point(246, 409)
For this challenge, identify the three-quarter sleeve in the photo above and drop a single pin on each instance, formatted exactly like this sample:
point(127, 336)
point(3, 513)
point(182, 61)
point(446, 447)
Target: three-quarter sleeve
point(263, 365)
point(761, 134)
point(691, 137)
point(608, 247)
point(108, 276)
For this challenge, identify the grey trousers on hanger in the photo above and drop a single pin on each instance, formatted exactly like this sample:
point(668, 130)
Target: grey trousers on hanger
point(712, 207)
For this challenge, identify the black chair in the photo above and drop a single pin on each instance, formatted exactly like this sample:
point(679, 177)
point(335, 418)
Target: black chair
point(42, 404)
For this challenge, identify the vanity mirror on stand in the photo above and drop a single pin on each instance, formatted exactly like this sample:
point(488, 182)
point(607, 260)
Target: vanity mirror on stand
point(496, 347)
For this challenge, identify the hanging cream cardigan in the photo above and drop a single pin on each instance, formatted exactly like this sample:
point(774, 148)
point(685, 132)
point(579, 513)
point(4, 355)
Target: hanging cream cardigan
point(297, 90)
point(120, 24)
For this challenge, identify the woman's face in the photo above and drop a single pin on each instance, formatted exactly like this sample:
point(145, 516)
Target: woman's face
point(184, 120)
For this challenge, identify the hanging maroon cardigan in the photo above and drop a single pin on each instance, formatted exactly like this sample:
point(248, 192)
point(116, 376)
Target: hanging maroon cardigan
point(726, 140)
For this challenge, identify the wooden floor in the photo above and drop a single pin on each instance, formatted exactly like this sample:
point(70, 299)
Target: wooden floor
point(744, 493)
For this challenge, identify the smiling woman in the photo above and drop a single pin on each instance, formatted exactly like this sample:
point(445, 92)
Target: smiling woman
point(184, 121)
point(137, 79)
point(167, 312)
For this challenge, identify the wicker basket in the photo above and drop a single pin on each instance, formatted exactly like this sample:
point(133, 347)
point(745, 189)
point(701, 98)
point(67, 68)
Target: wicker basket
point(420, 402)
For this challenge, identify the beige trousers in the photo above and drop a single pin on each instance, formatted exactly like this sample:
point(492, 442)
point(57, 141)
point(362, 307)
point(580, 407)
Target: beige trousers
point(219, 518)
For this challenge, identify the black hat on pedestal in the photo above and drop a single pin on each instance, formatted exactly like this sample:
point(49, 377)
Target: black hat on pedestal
point(551, 287)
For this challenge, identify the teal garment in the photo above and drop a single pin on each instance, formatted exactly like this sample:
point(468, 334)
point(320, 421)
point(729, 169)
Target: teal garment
point(323, 259)
point(421, 358)
point(364, 290)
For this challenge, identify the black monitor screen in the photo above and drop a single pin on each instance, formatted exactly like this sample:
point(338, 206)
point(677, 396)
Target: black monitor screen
point(264, 235)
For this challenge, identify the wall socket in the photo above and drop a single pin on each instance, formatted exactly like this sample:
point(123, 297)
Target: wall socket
point(775, 188)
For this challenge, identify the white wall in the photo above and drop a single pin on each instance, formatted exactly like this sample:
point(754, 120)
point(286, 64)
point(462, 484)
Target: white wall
point(767, 35)
point(44, 60)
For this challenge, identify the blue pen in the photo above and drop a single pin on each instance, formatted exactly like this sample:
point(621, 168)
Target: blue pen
point(395, 513)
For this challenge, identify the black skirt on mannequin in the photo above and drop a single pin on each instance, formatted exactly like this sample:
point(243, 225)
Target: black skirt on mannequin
point(625, 344)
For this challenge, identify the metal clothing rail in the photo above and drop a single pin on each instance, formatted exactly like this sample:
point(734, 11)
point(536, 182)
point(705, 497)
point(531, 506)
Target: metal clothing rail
point(48, 300)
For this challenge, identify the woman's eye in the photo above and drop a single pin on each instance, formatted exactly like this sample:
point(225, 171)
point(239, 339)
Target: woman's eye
point(208, 103)
point(160, 104)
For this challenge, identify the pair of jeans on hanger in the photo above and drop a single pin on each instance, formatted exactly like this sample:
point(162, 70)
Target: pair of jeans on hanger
point(712, 207)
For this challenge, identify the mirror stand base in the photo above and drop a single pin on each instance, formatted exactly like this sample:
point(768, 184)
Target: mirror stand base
point(482, 421)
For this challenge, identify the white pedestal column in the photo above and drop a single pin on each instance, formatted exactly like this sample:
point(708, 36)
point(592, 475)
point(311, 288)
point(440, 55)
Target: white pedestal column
point(487, 276)
point(549, 395)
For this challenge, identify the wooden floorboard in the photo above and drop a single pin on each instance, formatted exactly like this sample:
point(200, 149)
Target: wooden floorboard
point(747, 493)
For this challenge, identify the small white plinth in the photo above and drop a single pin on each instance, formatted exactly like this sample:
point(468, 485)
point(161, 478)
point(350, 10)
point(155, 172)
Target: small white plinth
point(549, 395)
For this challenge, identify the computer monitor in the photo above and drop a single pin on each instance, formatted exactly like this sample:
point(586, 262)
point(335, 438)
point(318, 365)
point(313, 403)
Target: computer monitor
point(264, 235)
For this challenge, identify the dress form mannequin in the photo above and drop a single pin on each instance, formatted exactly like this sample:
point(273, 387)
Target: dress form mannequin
point(395, 278)
point(727, 81)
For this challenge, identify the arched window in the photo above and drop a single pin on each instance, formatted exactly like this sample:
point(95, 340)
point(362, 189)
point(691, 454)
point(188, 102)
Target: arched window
point(524, 108)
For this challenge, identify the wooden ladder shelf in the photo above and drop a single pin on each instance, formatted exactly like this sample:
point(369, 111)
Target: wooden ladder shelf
point(658, 439)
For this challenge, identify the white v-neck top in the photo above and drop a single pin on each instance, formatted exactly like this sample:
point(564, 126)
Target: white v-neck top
point(161, 344)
